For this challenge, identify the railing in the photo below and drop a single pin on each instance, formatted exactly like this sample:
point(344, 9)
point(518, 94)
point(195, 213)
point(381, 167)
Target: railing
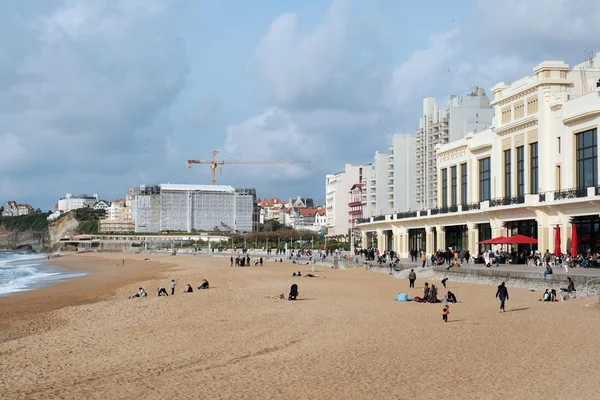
point(453, 209)
point(507, 201)
point(570, 193)
point(407, 214)
point(435, 211)
point(597, 190)
point(379, 218)
point(363, 220)
point(471, 207)
point(542, 197)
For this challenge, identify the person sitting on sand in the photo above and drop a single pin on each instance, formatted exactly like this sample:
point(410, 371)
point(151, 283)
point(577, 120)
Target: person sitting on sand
point(553, 295)
point(433, 295)
point(546, 295)
point(311, 276)
point(299, 273)
point(189, 289)
point(293, 292)
point(294, 274)
point(426, 290)
point(450, 298)
point(204, 284)
point(141, 293)
point(162, 291)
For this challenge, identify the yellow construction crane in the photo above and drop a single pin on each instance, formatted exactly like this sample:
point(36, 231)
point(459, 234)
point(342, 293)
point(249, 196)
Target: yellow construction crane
point(214, 163)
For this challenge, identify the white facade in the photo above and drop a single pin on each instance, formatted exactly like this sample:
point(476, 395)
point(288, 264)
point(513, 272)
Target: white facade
point(102, 205)
point(74, 202)
point(390, 182)
point(440, 125)
point(12, 209)
point(337, 187)
point(535, 169)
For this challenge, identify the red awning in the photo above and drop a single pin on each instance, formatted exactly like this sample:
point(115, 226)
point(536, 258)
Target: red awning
point(520, 239)
point(498, 240)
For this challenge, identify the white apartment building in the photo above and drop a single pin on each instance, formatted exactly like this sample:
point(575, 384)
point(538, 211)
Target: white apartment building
point(535, 169)
point(390, 182)
point(441, 125)
point(74, 202)
point(337, 187)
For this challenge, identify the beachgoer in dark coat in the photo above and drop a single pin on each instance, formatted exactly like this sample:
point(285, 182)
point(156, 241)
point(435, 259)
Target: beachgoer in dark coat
point(412, 277)
point(502, 294)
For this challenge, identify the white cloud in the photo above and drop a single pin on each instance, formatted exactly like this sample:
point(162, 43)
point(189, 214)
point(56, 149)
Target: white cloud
point(334, 88)
point(336, 65)
point(87, 99)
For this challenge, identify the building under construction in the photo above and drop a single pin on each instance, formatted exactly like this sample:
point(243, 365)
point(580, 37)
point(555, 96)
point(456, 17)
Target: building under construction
point(193, 208)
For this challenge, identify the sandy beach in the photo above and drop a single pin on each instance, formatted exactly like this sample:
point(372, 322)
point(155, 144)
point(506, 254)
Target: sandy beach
point(347, 337)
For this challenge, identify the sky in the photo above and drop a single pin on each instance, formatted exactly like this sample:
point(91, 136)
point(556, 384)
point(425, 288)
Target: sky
point(100, 95)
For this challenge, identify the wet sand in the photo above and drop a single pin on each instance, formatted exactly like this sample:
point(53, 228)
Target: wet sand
point(345, 339)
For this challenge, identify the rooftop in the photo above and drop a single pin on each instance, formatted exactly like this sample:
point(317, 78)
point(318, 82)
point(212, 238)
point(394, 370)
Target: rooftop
point(196, 188)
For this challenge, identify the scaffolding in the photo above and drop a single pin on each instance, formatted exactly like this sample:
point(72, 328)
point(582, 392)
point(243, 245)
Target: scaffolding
point(146, 212)
point(245, 199)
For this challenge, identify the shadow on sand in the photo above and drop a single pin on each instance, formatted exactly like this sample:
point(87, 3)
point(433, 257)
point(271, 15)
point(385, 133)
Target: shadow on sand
point(518, 309)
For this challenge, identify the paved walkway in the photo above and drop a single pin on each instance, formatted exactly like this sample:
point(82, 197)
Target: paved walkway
point(588, 272)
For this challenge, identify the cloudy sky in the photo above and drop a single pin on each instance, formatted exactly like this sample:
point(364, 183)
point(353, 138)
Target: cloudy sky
point(100, 95)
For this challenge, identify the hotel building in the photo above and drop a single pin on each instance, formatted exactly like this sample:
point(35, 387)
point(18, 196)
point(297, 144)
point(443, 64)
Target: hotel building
point(534, 169)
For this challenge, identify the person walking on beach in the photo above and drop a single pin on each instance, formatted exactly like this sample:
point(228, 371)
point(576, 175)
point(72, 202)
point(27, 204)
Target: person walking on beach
point(423, 258)
point(172, 287)
point(502, 294)
point(445, 313)
point(231, 261)
point(412, 277)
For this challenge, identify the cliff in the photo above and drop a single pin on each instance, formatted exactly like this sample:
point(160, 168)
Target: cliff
point(33, 232)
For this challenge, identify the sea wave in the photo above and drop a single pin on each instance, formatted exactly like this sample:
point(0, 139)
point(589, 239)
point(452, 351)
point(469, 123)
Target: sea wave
point(20, 272)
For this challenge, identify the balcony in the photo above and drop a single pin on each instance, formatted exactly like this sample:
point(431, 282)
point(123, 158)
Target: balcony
point(471, 207)
point(571, 193)
point(407, 214)
point(507, 201)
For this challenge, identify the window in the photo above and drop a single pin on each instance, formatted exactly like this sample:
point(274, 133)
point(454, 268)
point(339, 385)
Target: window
point(463, 183)
point(558, 180)
point(520, 171)
point(587, 159)
point(519, 110)
point(532, 106)
point(558, 144)
point(506, 115)
point(454, 183)
point(508, 173)
point(485, 188)
point(563, 74)
point(445, 187)
point(534, 168)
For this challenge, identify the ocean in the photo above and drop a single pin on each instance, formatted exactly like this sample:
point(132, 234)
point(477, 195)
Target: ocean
point(20, 272)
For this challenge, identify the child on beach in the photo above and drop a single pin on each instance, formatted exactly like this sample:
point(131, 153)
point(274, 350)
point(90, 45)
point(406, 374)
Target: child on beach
point(172, 287)
point(445, 313)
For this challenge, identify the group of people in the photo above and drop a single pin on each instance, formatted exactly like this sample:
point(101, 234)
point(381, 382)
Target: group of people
point(162, 291)
point(244, 261)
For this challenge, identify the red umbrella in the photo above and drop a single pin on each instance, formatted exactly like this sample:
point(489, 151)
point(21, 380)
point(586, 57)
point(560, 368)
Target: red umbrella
point(574, 240)
point(497, 240)
point(557, 241)
point(520, 239)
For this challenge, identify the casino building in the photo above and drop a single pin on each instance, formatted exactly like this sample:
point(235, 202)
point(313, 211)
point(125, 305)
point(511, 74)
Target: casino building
point(534, 169)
